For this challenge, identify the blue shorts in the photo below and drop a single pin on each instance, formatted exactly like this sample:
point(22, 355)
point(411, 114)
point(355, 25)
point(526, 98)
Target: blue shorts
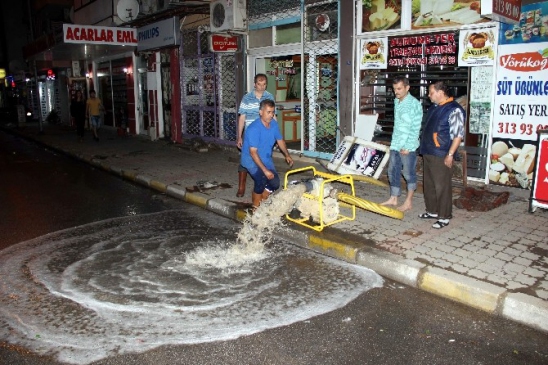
point(95, 121)
point(262, 183)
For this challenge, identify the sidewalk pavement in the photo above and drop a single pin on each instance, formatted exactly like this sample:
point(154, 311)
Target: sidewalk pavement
point(495, 261)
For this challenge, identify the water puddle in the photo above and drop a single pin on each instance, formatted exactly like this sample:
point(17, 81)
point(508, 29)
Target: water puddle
point(136, 283)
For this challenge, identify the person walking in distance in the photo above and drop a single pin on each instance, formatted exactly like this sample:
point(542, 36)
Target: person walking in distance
point(78, 112)
point(249, 112)
point(405, 141)
point(94, 107)
point(259, 139)
point(441, 137)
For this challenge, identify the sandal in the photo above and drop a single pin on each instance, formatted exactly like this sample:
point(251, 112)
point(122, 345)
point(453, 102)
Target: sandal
point(427, 215)
point(440, 223)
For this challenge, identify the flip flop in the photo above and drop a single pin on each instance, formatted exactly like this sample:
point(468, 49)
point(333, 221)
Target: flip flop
point(427, 215)
point(440, 223)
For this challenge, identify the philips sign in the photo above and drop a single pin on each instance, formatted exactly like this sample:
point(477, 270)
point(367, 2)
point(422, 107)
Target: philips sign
point(164, 33)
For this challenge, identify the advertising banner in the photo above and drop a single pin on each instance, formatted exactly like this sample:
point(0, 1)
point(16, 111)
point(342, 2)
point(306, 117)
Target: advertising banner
point(478, 46)
point(445, 13)
point(532, 26)
point(381, 15)
point(373, 53)
point(424, 49)
point(520, 110)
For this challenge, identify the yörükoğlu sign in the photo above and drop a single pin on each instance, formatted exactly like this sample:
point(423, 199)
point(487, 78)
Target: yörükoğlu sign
point(89, 34)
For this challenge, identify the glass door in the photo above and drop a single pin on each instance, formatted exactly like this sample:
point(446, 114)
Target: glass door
point(142, 102)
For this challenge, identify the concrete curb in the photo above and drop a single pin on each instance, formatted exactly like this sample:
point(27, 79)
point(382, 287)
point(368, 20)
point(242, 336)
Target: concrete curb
point(527, 310)
point(518, 307)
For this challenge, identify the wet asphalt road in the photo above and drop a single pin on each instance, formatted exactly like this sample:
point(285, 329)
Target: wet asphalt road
point(41, 192)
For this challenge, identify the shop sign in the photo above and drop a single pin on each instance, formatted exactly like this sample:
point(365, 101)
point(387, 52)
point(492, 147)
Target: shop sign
point(2, 73)
point(520, 110)
point(478, 46)
point(164, 33)
point(505, 11)
point(223, 43)
point(374, 53)
point(427, 49)
point(89, 34)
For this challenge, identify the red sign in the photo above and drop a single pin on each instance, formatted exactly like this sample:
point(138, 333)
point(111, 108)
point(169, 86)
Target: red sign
point(430, 49)
point(89, 34)
point(524, 62)
point(540, 192)
point(508, 11)
point(223, 43)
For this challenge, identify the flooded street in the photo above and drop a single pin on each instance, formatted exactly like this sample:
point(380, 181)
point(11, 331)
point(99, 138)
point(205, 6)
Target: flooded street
point(124, 285)
point(96, 270)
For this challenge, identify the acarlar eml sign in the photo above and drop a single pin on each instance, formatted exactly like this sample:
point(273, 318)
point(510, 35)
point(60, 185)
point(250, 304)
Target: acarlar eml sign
point(89, 34)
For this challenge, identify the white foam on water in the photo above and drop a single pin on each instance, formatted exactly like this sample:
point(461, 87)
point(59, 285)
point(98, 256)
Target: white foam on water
point(258, 228)
point(255, 233)
point(132, 284)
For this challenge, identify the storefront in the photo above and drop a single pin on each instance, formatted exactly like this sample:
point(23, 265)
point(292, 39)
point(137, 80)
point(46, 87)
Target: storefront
point(115, 89)
point(428, 41)
point(495, 70)
point(108, 70)
point(158, 70)
point(85, 57)
point(298, 49)
point(520, 107)
point(211, 84)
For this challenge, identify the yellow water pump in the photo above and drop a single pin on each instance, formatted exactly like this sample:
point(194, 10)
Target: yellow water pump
point(323, 204)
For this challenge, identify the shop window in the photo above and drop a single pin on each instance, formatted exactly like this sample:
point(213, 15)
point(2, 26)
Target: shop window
point(260, 38)
point(288, 33)
point(322, 22)
point(284, 77)
point(376, 93)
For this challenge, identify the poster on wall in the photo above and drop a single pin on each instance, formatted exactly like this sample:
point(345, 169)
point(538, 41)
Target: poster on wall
point(478, 46)
point(356, 156)
point(520, 109)
point(445, 13)
point(381, 15)
point(481, 94)
point(373, 53)
point(532, 26)
point(423, 49)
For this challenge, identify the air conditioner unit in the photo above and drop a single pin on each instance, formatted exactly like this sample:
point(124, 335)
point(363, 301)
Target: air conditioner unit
point(227, 15)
